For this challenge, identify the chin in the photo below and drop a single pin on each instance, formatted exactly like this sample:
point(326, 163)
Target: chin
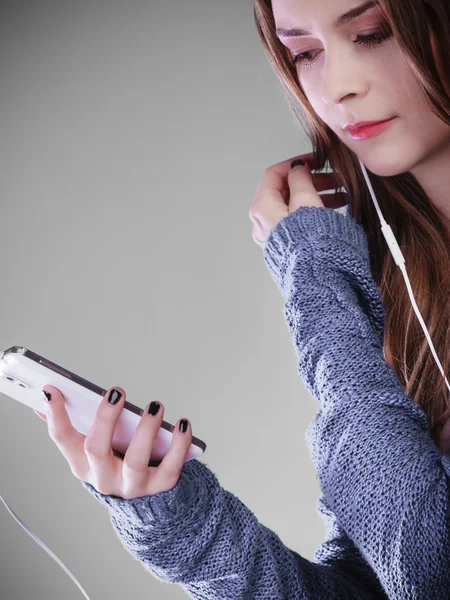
point(384, 170)
point(386, 165)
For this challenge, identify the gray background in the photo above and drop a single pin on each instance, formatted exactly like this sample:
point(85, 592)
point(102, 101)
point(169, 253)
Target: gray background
point(133, 138)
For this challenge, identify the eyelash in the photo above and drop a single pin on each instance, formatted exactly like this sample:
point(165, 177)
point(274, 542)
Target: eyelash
point(373, 39)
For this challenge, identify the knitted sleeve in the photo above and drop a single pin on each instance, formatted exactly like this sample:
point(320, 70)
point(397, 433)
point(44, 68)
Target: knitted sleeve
point(382, 476)
point(204, 539)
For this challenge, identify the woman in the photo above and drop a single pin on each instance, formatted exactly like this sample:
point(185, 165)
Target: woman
point(378, 440)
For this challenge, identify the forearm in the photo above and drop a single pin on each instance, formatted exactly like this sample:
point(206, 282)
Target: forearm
point(377, 464)
point(205, 539)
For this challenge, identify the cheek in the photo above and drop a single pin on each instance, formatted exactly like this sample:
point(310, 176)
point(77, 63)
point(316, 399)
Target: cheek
point(311, 87)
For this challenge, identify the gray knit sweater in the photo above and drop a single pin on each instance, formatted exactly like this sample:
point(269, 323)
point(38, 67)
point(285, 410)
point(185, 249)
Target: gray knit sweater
point(385, 485)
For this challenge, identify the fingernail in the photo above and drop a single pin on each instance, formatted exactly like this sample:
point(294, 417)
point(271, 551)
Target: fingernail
point(183, 425)
point(47, 396)
point(153, 408)
point(296, 162)
point(114, 397)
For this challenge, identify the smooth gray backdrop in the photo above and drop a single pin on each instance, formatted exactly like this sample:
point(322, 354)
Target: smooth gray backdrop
point(133, 138)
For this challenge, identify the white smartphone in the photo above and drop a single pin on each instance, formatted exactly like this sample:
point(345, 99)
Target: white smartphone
point(23, 374)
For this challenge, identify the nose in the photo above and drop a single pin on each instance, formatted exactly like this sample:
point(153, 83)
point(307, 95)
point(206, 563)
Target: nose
point(344, 76)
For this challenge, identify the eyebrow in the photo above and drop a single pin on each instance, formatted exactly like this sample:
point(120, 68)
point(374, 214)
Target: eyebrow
point(345, 18)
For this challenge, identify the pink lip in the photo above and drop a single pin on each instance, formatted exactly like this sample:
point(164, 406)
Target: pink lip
point(370, 130)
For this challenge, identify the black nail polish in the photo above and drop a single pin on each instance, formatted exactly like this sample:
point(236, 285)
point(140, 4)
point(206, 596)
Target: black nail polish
point(153, 408)
point(297, 161)
point(47, 396)
point(114, 397)
point(183, 425)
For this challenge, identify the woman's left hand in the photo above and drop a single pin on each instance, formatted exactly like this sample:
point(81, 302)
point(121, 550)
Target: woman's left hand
point(284, 190)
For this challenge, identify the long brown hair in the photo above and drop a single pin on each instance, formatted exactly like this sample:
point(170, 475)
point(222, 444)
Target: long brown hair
point(422, 29)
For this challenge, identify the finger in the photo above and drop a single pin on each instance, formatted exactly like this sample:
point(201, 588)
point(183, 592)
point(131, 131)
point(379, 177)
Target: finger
point(139, 451)
point(97, 445)
point(302, 188)
point(41, 415)
point(168, 471)
point(269, 205)
point(322, 182)
point(273, 191)
point(283, 168)
point(310, 158)
point(68, 439)
point(258, 238)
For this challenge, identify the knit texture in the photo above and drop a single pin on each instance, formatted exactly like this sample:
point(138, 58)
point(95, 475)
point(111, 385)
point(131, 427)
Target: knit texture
point(384, 483)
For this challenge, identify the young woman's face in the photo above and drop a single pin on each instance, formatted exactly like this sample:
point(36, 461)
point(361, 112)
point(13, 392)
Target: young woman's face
point(347, 82)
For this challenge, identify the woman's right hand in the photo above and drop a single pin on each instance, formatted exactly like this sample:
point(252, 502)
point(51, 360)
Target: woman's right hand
point(283, 191)
point(92, 459)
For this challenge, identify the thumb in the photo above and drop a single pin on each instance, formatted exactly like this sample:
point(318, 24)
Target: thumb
point(301, 187)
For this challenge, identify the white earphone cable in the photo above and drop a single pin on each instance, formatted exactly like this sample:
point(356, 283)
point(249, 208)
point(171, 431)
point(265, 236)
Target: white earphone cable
point(42, 545)
point(400, 261)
